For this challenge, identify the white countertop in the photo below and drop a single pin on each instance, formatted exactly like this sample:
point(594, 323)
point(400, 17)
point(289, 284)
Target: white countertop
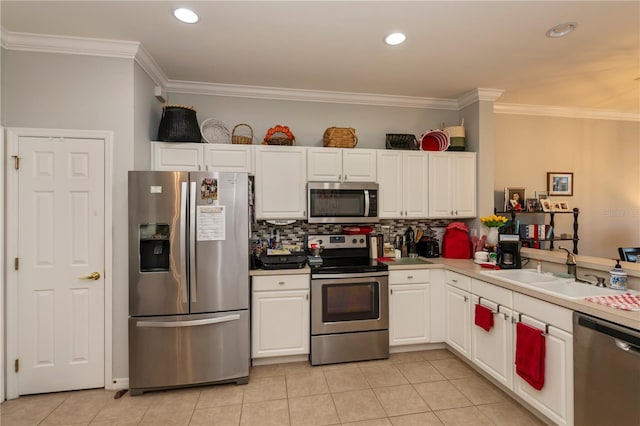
point(468, 267)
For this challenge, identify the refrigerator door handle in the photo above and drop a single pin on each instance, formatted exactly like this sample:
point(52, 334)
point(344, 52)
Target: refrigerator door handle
point(183, 241)
point(192, 323)
point(192, 243)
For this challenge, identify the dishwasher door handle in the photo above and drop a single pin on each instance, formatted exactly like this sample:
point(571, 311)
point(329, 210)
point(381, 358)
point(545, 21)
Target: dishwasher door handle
point(627, 347)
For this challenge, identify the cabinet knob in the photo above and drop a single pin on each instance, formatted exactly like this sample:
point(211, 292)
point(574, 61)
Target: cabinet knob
point(340, 177)
point(410, 277)
point(392, 291)
point(346, 177)
point(454, 281)
point(466, 298)
point(281, 282)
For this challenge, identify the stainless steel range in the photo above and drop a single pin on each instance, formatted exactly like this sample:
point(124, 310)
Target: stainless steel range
point(349, 302)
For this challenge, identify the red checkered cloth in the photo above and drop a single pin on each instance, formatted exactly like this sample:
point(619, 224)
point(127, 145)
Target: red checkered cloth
point(626, 301)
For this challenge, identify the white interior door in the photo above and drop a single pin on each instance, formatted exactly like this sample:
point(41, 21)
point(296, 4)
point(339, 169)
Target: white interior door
point(61, 240)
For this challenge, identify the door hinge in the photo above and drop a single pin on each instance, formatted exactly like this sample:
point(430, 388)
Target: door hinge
point(17, 365)
point(16, 161)
point(16, 263)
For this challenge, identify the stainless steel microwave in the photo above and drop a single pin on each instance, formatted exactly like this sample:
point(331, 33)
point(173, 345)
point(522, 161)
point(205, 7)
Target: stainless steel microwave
point(348, 202)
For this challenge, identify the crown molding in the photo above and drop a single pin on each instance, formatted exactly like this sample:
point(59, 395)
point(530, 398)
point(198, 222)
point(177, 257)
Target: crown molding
point(564, 112)
point(277, 93)
point(69, 45)
point(151, 67)
point(477, 95)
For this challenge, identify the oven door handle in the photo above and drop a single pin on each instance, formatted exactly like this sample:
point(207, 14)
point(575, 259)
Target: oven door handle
point(355, 275)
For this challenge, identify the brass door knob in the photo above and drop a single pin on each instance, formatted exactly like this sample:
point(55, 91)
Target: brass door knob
point(94, 276)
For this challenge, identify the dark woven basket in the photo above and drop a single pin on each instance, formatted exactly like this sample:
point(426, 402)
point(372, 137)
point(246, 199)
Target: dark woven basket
point(401, 141)
point(179, 124)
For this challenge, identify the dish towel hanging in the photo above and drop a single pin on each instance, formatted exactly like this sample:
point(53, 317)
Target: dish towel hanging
point(530, 355)
point(483, 317)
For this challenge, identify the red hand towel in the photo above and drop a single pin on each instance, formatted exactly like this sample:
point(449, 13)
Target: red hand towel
point(530, 355)
point(484, 317)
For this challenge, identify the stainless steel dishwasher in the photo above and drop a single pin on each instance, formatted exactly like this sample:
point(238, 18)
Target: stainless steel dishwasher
point(606, 372)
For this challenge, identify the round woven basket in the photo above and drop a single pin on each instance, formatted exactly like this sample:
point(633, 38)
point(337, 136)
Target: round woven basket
point(340, 137)
point(215, 131)
point(179, 124)
point(242, 139)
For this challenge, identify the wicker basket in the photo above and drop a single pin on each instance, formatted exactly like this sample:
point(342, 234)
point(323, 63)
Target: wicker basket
point(242, 139)
point(401, 141)
point(179, 124)
point(340, 137)
point(215, 131)
point(279, 135)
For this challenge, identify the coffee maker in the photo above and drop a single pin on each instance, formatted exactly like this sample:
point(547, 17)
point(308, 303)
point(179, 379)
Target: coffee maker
point(509, 255)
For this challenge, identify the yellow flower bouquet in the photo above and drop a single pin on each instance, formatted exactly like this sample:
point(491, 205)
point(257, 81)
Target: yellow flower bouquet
point(494, 221)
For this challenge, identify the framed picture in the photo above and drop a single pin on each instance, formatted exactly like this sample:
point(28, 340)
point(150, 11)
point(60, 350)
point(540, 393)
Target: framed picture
point(560, 183)
point(542, 195)
point(514, 199)
point(533, 205)
point(546, 205)
point(564, 206)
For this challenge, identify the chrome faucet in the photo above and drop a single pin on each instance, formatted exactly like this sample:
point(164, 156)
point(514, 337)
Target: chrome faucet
point(600, 280)
point(571, 262)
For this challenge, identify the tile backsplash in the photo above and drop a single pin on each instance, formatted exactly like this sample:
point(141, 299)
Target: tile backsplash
point(295, 233)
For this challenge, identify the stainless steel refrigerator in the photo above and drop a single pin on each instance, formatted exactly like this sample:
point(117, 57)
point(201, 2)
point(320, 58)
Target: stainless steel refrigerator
point(188, 279)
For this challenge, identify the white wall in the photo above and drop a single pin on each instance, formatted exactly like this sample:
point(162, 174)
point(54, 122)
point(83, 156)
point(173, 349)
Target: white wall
point(42, 90)
point(309, 120)
point(147, 112)
point(604, 156)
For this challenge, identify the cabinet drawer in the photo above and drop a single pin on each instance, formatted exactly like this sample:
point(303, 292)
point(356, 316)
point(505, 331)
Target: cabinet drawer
point(409, 276)
point(281, 282)
point(460, 281)
point(498, 294)
point(544, 311)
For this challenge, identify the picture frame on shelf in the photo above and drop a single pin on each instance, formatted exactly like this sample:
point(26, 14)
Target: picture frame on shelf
point(545, 204)
point(541, 195)
point(564, 206)
point(533, 205)
point(514, 199)
point(560, 183)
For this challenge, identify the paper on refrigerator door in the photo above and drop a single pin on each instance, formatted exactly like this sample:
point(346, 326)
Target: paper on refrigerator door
point(211, 223)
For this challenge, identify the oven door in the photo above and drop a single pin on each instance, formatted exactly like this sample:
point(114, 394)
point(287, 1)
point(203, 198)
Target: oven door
point(344, 303)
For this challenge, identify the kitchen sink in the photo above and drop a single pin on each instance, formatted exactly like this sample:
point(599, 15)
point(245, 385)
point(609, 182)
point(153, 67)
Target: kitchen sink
point(567, 288)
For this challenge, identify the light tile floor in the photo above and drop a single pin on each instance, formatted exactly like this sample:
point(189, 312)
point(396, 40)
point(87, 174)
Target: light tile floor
point(417, 388)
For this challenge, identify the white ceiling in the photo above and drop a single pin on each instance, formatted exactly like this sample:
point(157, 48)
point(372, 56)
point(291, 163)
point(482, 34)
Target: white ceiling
point(452, 48)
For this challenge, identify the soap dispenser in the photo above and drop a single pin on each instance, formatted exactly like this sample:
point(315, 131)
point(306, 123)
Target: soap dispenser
point(618, 277)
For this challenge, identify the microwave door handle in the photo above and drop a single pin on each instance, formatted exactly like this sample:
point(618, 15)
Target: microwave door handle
point(366, 203)
point(183, 241)
point(192, 243)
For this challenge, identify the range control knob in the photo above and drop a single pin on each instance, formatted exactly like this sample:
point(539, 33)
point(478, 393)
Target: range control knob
point(320, 242)
point(355, 240)
point(361, 240)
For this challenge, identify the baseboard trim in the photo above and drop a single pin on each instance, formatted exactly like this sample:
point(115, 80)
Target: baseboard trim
point(279, 360)
point(119, 383)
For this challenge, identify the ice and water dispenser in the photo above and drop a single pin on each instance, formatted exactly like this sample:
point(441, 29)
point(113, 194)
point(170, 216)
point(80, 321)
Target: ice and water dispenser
point(154, 247)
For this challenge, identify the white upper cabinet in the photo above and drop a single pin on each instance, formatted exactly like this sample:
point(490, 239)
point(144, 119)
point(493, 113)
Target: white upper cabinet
point(180, 156)
point(341, 165)
point(403, 179)
point(280, 182)
point(177, 156)
point(452, 184)
point(228, 158)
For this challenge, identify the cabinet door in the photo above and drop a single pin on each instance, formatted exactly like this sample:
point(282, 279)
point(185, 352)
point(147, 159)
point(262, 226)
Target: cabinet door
point(359, 165)
point(415, 183)
point(228, 158)
point(281, 182)
point(409, 314)
point(176, 156)
point(279, 323)
point(493, 350)
point(440, 184)
point(390, 183)
point(555, 399)
point(457, 311)
point(464, 181)
point(324, 164)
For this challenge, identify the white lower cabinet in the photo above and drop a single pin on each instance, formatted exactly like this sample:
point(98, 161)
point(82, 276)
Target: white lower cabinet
point(555, 399)
point(458, 319)
point(279, 315)
point(409, 307)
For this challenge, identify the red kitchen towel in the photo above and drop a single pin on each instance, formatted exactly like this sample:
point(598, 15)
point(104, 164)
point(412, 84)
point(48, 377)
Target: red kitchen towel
point(530, 354)
point(484, 317)
point(626, 301)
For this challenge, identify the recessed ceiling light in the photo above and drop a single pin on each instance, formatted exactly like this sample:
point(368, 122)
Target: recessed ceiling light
point(562, 30)
point(395, 38)
point(187, 16)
